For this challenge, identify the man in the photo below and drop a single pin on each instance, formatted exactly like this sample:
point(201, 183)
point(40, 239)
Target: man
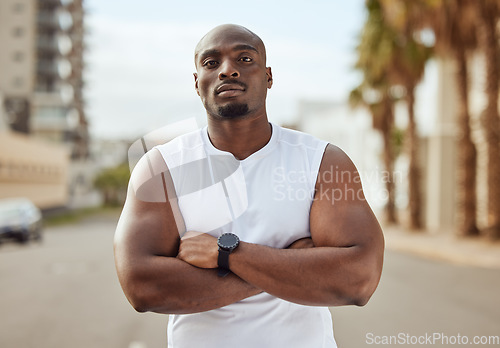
point(307, 237)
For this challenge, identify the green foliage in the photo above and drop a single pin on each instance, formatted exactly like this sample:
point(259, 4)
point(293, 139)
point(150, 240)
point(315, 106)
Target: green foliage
point(67, 217)
point(398, 139)
point(112, 183)
point(390, 55)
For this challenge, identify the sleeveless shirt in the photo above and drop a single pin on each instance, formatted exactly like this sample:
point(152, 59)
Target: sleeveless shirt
point(264, 199)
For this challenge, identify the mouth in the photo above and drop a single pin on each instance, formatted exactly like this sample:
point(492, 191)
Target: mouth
point(228, 90)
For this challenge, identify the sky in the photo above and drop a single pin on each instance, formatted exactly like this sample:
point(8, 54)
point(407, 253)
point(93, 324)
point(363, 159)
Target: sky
point(140, 57)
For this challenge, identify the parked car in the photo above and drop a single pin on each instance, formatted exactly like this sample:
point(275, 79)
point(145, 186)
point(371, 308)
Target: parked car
point(20, 219)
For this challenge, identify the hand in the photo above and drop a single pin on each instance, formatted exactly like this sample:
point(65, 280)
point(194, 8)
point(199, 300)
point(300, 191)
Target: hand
point(199, 250)
point(302, 243)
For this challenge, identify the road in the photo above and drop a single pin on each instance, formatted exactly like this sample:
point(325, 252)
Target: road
point(418, 297)
point(65, 293)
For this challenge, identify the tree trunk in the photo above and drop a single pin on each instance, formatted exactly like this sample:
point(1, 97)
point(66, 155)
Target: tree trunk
point(466, 158)
point(387, 134)
point(490, 116)
point(414, 193)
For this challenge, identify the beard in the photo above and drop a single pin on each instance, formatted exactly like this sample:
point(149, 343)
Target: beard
point(233, 110)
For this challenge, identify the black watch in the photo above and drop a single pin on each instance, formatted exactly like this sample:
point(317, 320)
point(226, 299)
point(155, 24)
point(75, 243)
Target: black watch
point(227, 242)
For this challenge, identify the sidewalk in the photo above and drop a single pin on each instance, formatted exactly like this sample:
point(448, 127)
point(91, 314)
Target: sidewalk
point(444, 246)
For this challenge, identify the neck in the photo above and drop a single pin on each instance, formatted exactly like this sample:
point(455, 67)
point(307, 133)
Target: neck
point(241, 137)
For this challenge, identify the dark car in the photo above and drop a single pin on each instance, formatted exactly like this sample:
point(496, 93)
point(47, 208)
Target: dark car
point(20, 219)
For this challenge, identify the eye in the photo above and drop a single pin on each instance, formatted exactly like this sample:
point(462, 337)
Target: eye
point(246, 59)
point(210, 63)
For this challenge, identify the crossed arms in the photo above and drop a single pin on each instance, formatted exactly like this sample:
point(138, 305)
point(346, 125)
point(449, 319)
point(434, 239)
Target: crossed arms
point(340, 264)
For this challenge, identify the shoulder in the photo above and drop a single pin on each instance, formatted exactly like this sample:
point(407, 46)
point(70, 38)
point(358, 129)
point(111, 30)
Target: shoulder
point(334, 155)
point(182, 142)
point(337, 169)
point(182, 149)
point(302, 144)
point(146, 180)
point(152, 171)
point(297, 138)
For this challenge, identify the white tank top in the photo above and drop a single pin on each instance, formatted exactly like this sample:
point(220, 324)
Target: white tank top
point(264, 199)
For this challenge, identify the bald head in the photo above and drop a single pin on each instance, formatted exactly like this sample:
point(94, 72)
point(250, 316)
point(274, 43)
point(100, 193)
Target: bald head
point(229, 32)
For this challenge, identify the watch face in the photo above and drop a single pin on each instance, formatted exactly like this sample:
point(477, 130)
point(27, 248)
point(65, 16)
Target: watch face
point(228, 241)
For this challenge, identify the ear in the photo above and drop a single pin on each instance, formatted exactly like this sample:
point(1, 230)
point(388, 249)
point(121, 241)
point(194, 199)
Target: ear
point(196, 83)
point(269, 77)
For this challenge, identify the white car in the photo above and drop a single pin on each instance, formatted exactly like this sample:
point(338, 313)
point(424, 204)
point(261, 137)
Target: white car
point(20, 219)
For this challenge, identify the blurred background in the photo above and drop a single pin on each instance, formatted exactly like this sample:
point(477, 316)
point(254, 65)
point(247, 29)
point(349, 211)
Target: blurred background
point(409, 90)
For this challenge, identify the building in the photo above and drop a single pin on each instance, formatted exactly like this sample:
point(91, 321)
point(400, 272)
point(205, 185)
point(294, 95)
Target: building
point(440, 160)
point(32, 168)
point(439, 151)
point(41, 70)
point(17, 60)
point(42, 109)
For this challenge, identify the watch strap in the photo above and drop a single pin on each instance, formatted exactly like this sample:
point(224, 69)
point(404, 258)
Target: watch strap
point(223, 262)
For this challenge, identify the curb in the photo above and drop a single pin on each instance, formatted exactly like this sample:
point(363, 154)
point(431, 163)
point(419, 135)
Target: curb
point(475, 252)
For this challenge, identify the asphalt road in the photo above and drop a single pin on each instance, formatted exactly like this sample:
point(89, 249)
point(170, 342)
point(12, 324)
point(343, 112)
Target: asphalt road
point(419, 299)
point(65, 293)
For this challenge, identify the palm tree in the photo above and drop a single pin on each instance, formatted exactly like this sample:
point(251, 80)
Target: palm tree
point(374, 91)
point(453, 23)
point(488, 17)
point(380, 104)
point(389, 55)
point(408, 65)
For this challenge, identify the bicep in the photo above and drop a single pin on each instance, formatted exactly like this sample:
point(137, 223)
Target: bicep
point(146, 228)
point(340, 215)
point(149, 224)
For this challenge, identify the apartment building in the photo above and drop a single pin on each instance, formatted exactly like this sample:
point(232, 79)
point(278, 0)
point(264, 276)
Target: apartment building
point(42, 110)
point(17, 60)
point(41, 70)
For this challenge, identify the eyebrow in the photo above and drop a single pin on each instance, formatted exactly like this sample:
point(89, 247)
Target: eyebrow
point(245, 47)
point(214, 52)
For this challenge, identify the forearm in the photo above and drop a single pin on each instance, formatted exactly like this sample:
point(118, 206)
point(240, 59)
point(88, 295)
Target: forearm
point(325, 276)
point(171, 286)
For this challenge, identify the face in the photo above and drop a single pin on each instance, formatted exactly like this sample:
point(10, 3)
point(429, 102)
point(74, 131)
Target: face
point(232, 78)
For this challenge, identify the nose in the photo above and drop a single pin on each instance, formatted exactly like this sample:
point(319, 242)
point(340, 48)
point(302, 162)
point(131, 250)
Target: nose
point(228, 70)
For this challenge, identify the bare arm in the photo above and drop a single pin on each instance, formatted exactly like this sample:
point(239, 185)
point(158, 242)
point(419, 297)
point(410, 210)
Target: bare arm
point(345, 265)
point(146, 245)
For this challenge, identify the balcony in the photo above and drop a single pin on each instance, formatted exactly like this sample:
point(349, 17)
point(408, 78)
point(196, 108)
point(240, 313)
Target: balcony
point(47, 19)
point(55, 119)
point(60, 68)
point(55, 20)
point(60, 43)
point(55, 3)
point(47, 44)
point(47, 68)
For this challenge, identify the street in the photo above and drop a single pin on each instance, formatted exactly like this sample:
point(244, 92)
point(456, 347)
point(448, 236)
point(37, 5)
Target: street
point(65, 293)
point(417, 297)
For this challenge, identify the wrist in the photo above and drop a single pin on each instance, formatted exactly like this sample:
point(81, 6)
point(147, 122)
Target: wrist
point(227, 243)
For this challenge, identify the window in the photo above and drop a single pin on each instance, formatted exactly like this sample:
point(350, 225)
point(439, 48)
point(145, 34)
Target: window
point(18, 82)
point(18, 31)
point(18, 7)
point(18, 56)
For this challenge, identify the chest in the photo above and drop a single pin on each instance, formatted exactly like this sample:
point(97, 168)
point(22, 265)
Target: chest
point(266, 202)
